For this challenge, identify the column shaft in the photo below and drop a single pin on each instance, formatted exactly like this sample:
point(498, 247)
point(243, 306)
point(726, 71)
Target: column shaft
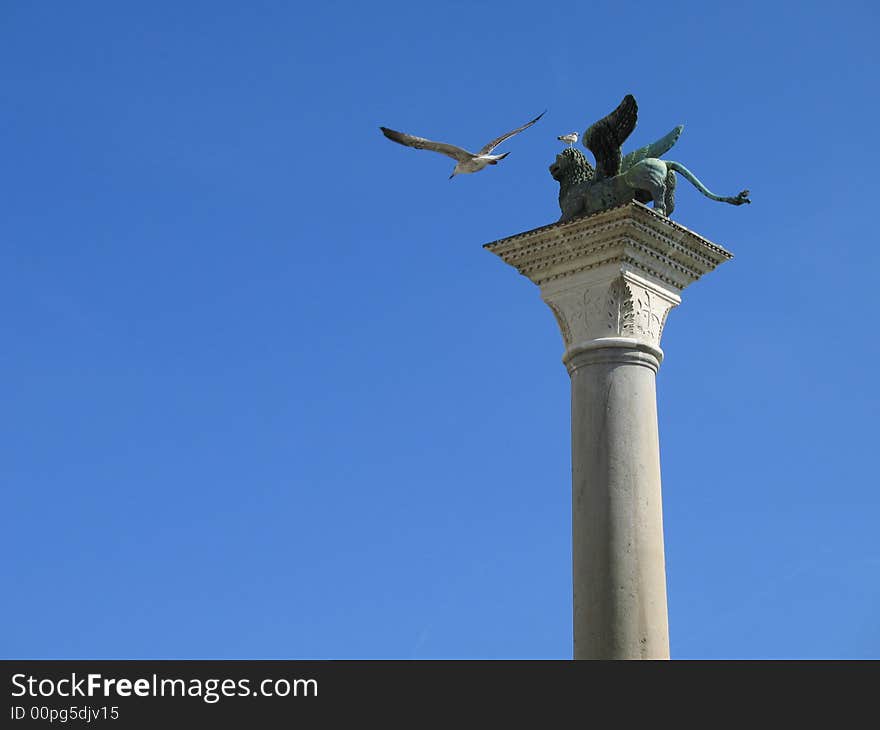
point(617, 525)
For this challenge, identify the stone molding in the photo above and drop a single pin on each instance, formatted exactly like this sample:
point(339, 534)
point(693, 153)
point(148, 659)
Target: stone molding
point(632, 233)
point(618, 350)
point(611, 276)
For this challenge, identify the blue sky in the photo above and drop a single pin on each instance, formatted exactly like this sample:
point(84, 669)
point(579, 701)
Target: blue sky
point(264, 394)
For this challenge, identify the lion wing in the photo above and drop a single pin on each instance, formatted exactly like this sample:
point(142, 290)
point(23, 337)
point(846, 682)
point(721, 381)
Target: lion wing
point(660, 147)
point(604, 137)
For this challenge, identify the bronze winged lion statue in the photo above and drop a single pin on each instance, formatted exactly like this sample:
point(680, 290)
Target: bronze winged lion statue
point(641, 175)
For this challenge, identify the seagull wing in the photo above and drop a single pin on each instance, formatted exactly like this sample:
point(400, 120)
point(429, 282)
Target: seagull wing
point(498, 140)
point(420, 143)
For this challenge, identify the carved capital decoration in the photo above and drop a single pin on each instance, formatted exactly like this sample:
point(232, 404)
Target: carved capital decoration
point(620, 307)
point(612, 275)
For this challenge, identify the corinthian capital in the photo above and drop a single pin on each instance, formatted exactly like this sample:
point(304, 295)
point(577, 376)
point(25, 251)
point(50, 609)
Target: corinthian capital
point(623, 306)
point(612, 277)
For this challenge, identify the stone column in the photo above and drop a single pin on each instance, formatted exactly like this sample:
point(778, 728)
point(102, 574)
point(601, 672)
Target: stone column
point(611, 279)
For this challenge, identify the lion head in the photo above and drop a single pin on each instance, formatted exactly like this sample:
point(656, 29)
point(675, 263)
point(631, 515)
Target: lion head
point(571, 168)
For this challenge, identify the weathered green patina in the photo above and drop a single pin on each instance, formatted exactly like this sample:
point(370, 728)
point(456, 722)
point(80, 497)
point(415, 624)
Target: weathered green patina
point(641, 175)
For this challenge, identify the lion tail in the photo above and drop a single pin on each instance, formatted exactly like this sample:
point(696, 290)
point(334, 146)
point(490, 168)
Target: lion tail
point(739, 199)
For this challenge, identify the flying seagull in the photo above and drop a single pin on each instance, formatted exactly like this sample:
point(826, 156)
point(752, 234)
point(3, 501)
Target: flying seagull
point(570, 138)
point(465, 162)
